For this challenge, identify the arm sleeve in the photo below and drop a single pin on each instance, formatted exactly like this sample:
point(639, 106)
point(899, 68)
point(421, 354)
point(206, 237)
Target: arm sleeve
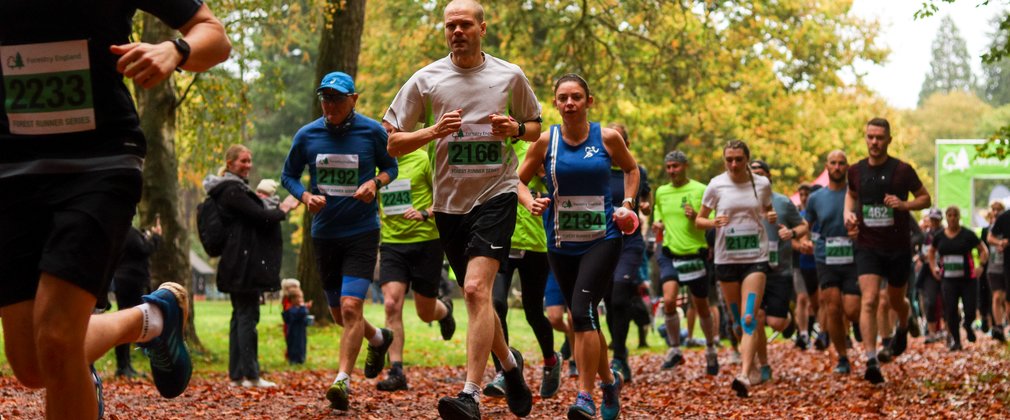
point(524, 106)
point(405, 111)
point(243, 206)
point(793, 217)
point(853, 177)
point(973, 240)
point(291, 175)
point(174, 13)
point(913, 181)
point(811, 215)
point(149, 246)
point(710, 198)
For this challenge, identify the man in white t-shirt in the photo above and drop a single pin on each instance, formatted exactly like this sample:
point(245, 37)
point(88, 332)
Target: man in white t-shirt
point(470, 103)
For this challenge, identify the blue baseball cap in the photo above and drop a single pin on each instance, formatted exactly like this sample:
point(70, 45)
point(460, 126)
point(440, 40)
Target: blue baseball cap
point(338, 81)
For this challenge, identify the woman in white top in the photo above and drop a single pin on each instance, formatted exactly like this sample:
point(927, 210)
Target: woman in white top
point(740, 200)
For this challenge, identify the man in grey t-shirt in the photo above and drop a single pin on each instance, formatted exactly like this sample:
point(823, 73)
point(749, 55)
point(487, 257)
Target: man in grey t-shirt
point(470, 103)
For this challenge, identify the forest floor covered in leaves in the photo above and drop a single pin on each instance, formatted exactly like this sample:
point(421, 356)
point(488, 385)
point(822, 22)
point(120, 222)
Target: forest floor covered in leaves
point(924, 382)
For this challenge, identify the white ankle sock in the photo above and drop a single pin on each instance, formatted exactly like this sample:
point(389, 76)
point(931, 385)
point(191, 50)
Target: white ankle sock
point(510, 362)
point(152, 324)
point(342, 376)
point(376, 340)
point(472, 389)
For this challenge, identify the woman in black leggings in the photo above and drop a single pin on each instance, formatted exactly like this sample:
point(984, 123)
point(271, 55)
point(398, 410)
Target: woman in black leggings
point(950, 260)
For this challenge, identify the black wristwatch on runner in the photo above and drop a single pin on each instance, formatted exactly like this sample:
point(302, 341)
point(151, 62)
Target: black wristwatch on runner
point(183, 48)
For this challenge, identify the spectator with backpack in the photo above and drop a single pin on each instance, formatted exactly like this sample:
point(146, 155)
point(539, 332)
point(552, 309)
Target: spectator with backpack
point(235, 224)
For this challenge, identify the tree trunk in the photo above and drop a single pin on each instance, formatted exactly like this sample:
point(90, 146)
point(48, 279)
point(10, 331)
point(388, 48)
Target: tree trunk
point(339, 46)
point(157, 107)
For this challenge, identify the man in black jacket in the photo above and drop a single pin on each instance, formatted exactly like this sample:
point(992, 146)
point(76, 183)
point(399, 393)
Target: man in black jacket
point(132, 280)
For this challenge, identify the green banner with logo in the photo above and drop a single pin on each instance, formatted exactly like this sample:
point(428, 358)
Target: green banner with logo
point(964, 180)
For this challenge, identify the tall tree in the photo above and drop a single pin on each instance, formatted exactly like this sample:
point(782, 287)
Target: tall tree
point(998, 145)
point(339, 46)
point(950, 69)
point(997, 73)
point(157, 109)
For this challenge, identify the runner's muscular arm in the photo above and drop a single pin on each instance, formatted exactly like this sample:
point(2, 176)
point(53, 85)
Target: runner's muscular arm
point(403, 142)
point(150, 64)
point(620, 155)
point(921, 201)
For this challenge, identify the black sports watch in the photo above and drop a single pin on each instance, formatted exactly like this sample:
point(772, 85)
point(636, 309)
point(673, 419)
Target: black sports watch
point(183, 48)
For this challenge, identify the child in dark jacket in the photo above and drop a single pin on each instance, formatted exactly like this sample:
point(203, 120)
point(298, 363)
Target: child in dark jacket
point(295, 322)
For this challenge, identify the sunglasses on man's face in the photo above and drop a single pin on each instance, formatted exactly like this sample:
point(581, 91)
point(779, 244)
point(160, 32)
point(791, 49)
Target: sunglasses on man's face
point(333, 97)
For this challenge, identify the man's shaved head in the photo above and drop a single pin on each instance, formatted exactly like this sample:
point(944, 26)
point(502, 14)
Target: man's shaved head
point(470, 5)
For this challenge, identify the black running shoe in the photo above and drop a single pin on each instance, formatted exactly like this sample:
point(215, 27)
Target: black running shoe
point(447, 325)
point(739, 386)
point(393, 382)
point(462, 407)
point(873, 374)
point(971, 334)
point(997, 334)
point(375, 359)
point(801, 342)
point(885, 355)
point(822, 341)
point(900, 341)
point(914, 329)
point(790, 329)
point(517, 394)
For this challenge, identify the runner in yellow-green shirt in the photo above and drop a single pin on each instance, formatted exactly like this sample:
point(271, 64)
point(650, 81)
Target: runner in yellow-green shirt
point(411, 255)
point(682, 257)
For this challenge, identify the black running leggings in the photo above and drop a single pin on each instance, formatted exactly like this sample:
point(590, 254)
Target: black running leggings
point(954, 289)
point(585, 279)
point(533, 279)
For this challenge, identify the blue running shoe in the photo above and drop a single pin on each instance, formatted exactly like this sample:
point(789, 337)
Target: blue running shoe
point(171, 366)
point(98, 390)
point(584, 407)
point(610, 408)
point(766, 373)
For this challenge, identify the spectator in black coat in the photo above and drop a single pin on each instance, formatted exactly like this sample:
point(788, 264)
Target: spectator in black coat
point(251, 261)
point(133, 280)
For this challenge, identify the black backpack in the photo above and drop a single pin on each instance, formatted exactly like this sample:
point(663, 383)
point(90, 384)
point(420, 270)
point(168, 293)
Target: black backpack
point(210, 225)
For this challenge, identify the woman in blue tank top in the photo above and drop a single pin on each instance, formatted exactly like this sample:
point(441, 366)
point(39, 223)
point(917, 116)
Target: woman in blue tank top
point(583, 240)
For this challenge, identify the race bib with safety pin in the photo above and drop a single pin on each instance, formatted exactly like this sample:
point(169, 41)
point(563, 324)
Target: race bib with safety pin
point(396, 197)
point(878, 215)
point(773, 253)
point(581, 218)
point(474, 152)
point(47, 87)
point(953, 266)
point(838, 250)
point(688, 270)
point(742, 242)
point(995, 260)
point(337, 175)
